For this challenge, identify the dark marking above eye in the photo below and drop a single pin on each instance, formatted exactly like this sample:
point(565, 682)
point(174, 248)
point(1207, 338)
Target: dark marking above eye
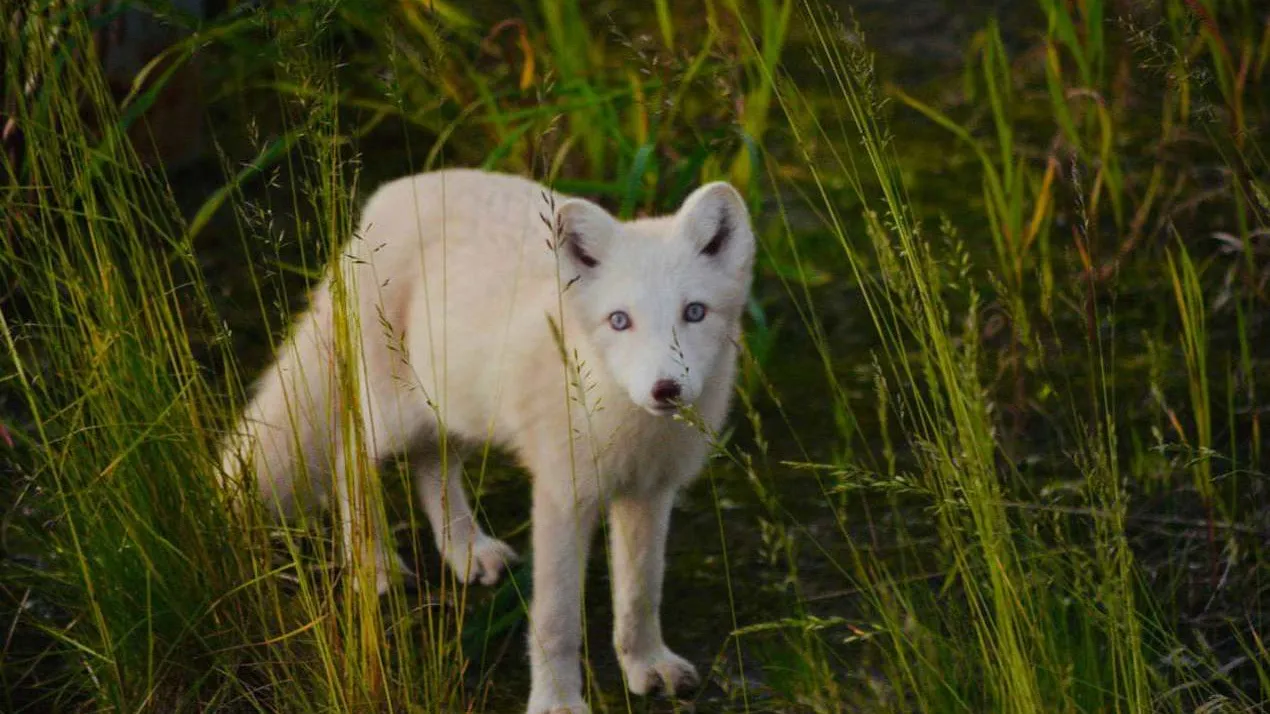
point(574, 243)
point(720, 235)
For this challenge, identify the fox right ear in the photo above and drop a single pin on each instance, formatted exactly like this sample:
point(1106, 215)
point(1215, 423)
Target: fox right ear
point(583, 230)
point(716, 219)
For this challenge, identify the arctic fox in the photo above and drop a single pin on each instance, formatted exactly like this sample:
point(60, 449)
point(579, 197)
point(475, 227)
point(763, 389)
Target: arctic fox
point(491, 309)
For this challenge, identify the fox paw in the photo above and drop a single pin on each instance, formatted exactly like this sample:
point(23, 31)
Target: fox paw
point(555, 704)
point(577, 707)
point(663, 671)
point(483, 560)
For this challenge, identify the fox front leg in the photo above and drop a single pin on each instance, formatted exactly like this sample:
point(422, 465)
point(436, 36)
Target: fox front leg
point(638, 530)
point(562, 530)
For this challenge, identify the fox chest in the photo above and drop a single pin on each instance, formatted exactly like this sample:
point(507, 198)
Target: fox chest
point(662, 454)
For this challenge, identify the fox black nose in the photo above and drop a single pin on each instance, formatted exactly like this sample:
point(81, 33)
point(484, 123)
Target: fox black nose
point(666, 391)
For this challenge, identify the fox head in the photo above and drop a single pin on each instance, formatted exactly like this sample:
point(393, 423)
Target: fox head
point(660, 299)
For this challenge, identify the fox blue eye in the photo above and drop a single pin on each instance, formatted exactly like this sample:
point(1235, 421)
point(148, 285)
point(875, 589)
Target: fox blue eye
point(694, 312)
point(619, 320)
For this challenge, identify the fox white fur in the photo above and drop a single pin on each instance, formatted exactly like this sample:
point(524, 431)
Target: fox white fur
point(463, 287)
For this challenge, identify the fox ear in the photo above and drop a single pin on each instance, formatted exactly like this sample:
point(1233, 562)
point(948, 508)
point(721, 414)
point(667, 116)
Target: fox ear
point(715, 219)
point(583, 231)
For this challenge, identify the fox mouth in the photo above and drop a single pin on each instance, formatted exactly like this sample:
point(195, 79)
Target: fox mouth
point(662, 409)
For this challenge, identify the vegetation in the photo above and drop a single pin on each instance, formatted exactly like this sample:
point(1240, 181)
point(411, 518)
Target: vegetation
point(997, 443)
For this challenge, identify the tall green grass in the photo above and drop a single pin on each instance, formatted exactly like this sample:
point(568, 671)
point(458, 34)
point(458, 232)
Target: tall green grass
point(954, 470)
point(154, 585)
point(1026, 618)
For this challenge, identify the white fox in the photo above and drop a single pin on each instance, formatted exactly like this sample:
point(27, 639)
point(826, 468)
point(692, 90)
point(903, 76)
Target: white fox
point(571, 344)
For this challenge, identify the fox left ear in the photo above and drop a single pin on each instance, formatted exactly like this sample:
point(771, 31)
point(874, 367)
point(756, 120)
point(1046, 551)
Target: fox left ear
point(584, 231)
point(715, 218)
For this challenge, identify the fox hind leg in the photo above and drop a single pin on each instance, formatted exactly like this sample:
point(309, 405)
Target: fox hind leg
point(361, 530)
point(389, 425)
point(471, 554)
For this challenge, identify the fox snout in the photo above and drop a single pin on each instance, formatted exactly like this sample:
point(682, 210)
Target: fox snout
point(665, 392)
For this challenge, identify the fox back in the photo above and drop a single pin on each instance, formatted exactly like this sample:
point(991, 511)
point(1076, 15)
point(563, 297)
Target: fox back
point(491, 308)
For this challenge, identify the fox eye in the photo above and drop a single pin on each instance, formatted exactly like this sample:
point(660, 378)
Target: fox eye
point(694, 312)
point(619, 320)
